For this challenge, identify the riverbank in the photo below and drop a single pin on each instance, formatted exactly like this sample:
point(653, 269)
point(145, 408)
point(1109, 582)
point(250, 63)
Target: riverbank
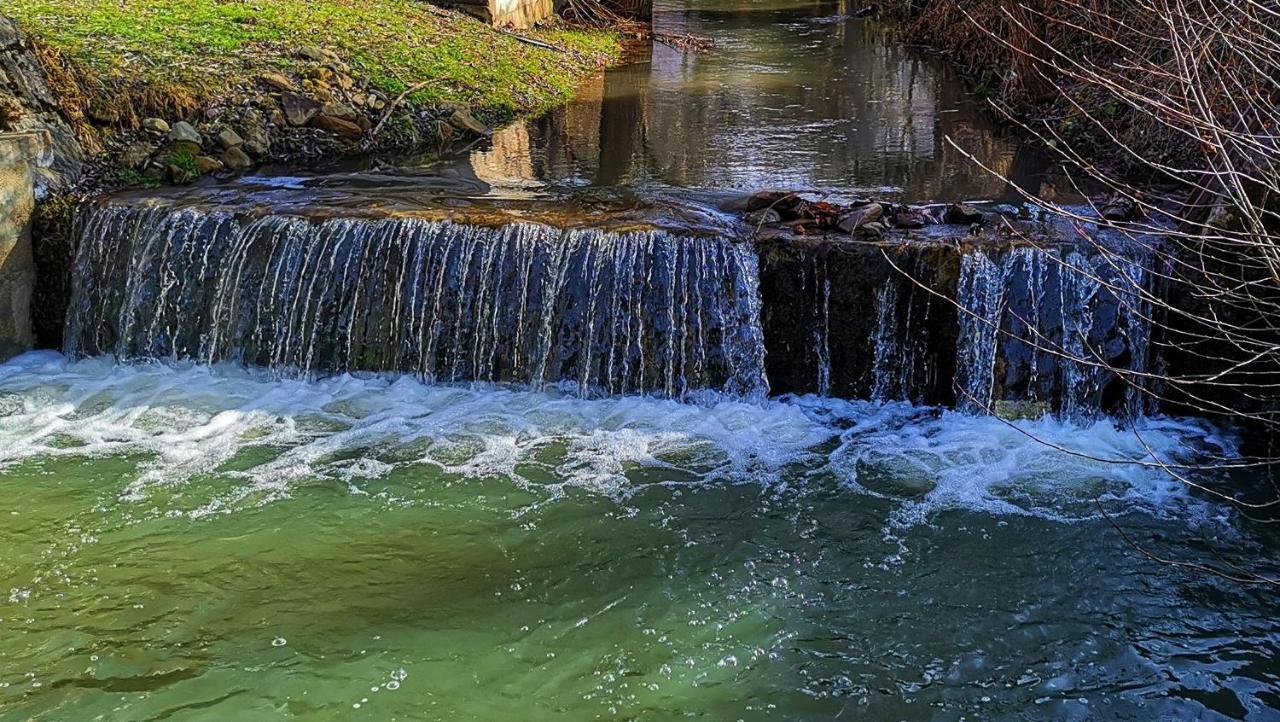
point(272, 82)
point(1013, 57)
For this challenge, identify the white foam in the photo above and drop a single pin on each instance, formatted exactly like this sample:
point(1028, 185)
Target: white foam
point(192, 420)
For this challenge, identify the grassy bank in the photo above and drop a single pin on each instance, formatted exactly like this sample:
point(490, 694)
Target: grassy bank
point(167, 56)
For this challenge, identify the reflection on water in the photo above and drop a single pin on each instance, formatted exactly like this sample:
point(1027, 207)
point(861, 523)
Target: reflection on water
point(795, 94)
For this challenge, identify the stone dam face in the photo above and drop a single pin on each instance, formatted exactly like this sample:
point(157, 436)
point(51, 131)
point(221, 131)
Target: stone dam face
point(931, 319)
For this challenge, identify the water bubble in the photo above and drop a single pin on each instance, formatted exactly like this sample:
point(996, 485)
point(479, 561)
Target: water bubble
point(393, 685)
point(279, 642)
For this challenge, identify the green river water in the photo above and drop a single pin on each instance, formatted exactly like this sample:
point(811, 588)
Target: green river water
point(191, 543)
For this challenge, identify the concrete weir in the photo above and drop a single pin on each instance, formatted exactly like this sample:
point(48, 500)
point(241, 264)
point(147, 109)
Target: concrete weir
point(20, 155)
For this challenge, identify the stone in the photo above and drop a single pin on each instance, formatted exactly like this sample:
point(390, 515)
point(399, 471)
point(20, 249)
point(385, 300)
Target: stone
point(962, 214)
point(1119, 209)
point(298, 110)
point(1021, 410)
point(207, 165)
point(464, 120)
point(9, 35)
point(229, 139)
point(136, 155)
point(764, 217)
point(858, 217)
point(182, 147)
point(276, 81)
point(184, 132)
point(236, 159)
point(910, 219)
point(155, 126)
point(777, 200)
point(318, 55)
point(874, 229)
point(339, 110)
point(256, 148)
point(344, 129)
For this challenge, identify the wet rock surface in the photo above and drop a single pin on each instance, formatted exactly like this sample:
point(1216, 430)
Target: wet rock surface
point(33, 106)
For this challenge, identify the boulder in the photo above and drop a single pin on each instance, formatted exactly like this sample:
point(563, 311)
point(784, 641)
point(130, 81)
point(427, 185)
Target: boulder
point(962, 214)
point(276, 81)
point(344, 129)
point(318, 55)
point(777, 200)
point(155, 126)
point(230, 139)
point(184, 132)
point(236, 159)
point(136, 155)
point(207, 165)
point(464, 120)
point(910, 219)
point(340, 110)
point(298, 110)
point(764, 217)
point(859, 217)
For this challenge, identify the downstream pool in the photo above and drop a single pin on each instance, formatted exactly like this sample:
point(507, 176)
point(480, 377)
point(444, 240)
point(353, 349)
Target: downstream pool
point(186, 542)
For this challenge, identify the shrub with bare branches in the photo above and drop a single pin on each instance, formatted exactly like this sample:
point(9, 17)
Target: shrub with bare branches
point(1167, 113)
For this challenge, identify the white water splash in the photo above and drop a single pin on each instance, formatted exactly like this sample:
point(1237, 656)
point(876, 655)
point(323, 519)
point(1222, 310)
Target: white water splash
point(192, 421)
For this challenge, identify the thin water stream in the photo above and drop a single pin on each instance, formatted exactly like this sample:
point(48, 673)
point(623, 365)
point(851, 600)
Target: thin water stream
point(325, 458)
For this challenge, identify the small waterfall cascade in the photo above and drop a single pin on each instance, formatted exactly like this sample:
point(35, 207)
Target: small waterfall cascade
point(643, 312)
point(1065, 328)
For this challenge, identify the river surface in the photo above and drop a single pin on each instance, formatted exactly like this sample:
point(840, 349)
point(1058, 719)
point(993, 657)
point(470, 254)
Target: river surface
point(192, 541)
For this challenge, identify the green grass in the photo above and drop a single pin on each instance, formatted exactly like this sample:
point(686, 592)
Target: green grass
point(209, 47)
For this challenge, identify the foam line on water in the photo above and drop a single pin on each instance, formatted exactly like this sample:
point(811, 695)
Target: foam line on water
point(192, 421)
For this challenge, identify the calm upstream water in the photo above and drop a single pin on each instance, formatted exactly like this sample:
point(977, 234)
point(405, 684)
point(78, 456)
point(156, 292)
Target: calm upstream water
point(795, 95)
point(203, 533)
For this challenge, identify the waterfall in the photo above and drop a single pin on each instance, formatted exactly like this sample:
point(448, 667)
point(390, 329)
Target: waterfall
point(614, 313)
point(1066, 328)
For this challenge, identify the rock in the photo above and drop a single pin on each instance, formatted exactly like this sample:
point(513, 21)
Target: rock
point(874, 229)
point(464, 120)
point(344, 81)
point(961, 214)
point(1021, 410)
point(777, 200)
point(344, 129)
point(180, 174)
point(155, 126)
point(318, 55)
point(338, 110)
point(236, 159)
point(276, 81)
point(136, 155)
point(184, 132)
point(298, 110)
point(859, 217)
point(9, 35)
point(910, 219)
point(207, 165)
point(257, 149)
point(1119, 209)
point(764, 217)
point(230, 139)
point(182, 147)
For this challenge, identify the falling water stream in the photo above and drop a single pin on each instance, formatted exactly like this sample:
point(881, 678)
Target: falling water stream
point(311, 453)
